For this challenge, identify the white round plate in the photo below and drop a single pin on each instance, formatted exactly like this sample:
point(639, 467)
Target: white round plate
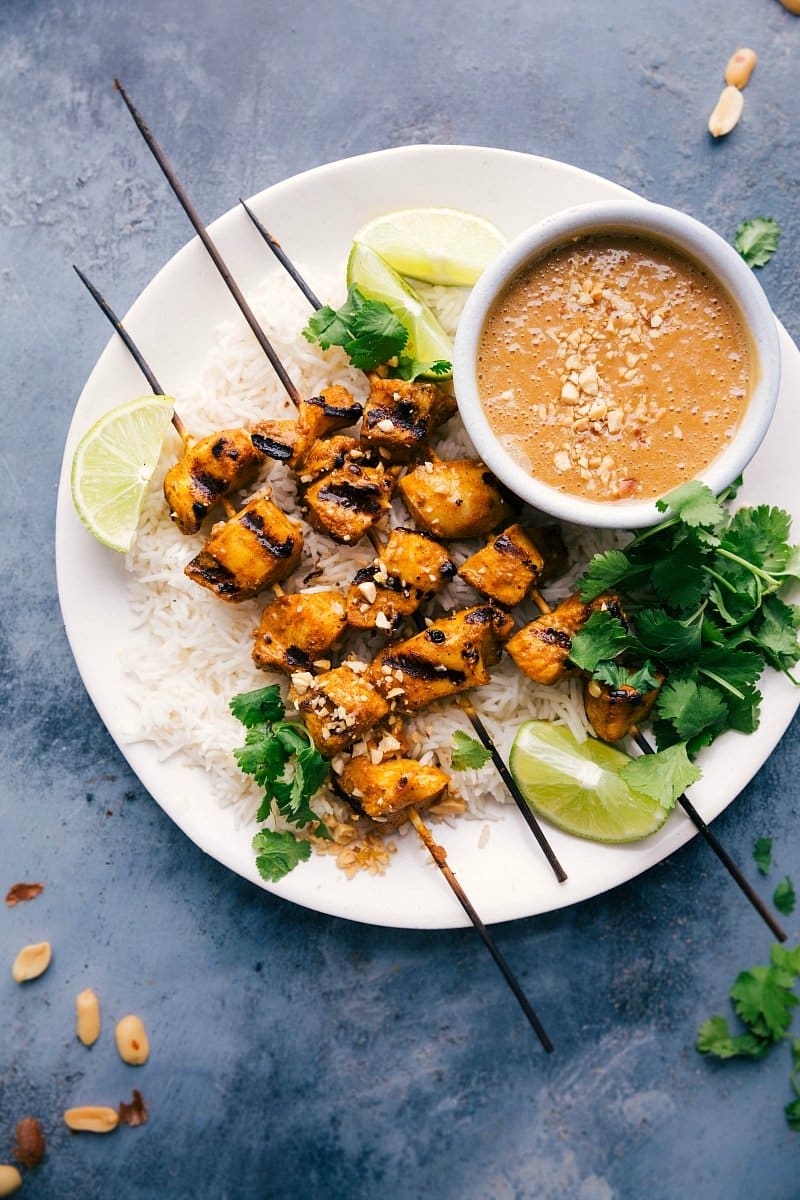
point(174, 321)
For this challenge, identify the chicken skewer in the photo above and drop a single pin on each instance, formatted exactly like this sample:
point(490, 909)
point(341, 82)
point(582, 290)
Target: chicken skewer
point(629, 726)
point(426, 837)
point(194, 217)
point(625, 719)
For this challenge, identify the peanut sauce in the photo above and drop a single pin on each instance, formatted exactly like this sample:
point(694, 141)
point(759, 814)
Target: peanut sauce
point(614, 368)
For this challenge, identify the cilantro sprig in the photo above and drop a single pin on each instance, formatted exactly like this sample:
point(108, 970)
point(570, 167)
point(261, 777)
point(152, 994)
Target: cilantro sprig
point(371, 335)
point(283, 760)
point(757, 240)
point(702, 589)
point(467, 753)
point(764, 1000)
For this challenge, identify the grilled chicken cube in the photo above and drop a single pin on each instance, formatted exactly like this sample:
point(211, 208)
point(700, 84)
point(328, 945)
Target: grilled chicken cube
point(411, 569)
point(291, 441)
point(456, 499)
point(384, 792)
point(295, 631)
point(331, 454)
point(209, 469)
point(338, 707)
point(400, 416)
point(255, 548)
point(613, 711)
point(275, 439)
point(450, 656)
point(507, 567)
point(541, 649)
point(347, 502)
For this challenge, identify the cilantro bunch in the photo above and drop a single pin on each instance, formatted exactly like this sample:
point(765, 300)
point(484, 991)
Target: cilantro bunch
point(283, 760)
point(371, 335)
point(702, 590)
point(764, 1000)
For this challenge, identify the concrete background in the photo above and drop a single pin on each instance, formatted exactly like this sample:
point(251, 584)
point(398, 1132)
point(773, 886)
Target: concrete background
point(294, 1055)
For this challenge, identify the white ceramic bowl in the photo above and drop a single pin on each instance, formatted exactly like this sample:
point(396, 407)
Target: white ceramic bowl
point(674, 229)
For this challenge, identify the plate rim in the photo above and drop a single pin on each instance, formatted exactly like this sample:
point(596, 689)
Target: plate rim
point(174, 265)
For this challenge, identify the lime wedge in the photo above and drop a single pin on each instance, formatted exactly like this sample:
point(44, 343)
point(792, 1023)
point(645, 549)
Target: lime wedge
point(113, 466)
point(577, 786)
point(376, 280)
point(437, 245)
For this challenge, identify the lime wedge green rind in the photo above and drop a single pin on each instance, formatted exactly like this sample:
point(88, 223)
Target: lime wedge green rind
point(435, 245)
point(376, 280)
point(577, 785)
point(113, 465)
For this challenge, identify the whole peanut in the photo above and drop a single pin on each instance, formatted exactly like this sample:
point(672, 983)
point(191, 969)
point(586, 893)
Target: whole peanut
point(87, 1009)
point(740, 67)
point(31, 962)
point(132, 1042)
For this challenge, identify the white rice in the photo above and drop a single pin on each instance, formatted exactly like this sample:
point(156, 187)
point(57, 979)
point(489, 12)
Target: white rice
point(189, 653)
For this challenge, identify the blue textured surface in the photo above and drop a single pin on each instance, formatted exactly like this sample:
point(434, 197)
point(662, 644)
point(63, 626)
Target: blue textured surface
point(294, 1055)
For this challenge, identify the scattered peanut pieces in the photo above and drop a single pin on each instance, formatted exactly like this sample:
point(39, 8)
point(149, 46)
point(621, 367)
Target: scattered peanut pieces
point(30, 1144)
point(134, 1113)
point(87, 1010)
point(91, 1118)
point(31, 962)
point(740, 67)
point(23, 891)
point(727, 112)
point(132, 1041)
point(10, 1180)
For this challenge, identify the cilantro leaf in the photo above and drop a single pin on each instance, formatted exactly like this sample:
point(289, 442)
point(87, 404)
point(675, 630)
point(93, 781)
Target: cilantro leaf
point(733, 669)
point(255, 708)
point(757, 239)
point(605, 571)
point(468, 754)
point(665, 637)
point(278, 853)
point(663, 776)
point(784, 897)
point(603, 636)
point(694, 504)
point(368, 330)
point(762, 854)
point(786, 960)
point(776, 633)
point(261, 756)
point(714, 1037)
point(763, 1002)
point(680, 578)
point(792, 1112)
point(642, 678)
point(411, 368)
point(691, 707)
point(760, 535)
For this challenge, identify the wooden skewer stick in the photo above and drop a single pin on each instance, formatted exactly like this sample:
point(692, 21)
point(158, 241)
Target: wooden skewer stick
point(698, 822)
point(439, 856)
point(295, 397)
point(466, 705)
point(132, 348)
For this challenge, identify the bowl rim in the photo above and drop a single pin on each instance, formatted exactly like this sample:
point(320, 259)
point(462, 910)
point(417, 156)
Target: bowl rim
point(668, 226)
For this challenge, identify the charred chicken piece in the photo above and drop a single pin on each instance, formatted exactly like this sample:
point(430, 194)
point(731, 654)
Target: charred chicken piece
point(400, 416)
point(541, 649)
point(255, 548)
point(348, 501)
point(411, 569)
point(507, 567)
point(450, 656)
point(456, 499)
point(290, 441)
point(295, 631)
point(384, 792)
point(209, 469)
point(331, 454)
point(338, 707)
point(613, 711)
